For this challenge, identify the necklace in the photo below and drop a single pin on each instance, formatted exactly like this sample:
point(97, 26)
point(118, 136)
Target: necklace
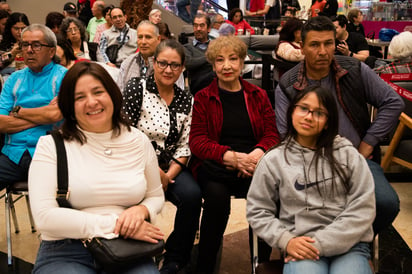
point(107, 151)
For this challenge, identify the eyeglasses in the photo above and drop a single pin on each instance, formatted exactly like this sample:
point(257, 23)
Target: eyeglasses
point(71, 30)
point(316, 114)
point(36, 46)
point(164, 65)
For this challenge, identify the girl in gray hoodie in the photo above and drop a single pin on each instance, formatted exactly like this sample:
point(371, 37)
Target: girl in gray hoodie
point(312, 196)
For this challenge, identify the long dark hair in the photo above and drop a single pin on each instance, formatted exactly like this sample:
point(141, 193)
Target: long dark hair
point(324, 144)
point(233, 12)
point(287, 33)
point(8, 39)
point(66, 99)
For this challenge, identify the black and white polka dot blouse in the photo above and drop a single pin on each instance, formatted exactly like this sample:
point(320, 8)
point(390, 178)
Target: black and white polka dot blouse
point(168, 126)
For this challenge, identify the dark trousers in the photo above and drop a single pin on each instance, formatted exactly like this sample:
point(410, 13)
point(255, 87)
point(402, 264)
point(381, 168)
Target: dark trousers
point(185, 194)
point(11, 172)
point(216, 211)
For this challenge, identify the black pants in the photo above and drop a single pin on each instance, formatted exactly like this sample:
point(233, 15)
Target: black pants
point(216, 210)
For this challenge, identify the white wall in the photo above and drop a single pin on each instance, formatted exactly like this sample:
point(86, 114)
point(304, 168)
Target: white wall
point(36, 10)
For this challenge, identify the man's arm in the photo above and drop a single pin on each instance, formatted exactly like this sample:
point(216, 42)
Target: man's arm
point(281, 106)
point(103, 47)
point(361, 55)
point(388, 103)
point(10, 124)
point(42, 115)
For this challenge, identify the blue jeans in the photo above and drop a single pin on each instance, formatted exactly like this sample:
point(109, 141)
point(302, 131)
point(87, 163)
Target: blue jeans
point(181, 8)
point(355, 261)
point(71, 257)
point(185, 194)
point(387, 201)
point(11, 172)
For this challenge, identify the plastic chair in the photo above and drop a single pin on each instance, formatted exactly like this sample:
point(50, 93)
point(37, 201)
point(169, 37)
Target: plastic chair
point(399, 150)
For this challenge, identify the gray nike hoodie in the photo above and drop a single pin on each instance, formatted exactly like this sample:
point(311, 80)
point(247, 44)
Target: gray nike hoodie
point(336, 220)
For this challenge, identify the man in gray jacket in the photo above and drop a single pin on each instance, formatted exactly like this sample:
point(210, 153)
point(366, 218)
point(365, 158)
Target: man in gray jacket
point(119, 34)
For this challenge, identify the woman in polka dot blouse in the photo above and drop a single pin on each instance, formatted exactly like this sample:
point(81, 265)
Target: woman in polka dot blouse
point(163, 112)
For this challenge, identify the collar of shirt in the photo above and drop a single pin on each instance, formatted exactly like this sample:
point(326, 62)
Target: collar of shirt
point(143, 67)
point(198, 44)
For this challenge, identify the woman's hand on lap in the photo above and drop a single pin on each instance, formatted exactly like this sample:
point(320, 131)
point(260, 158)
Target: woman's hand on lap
point(130, 221)
point(148, 233)
point(301, 248)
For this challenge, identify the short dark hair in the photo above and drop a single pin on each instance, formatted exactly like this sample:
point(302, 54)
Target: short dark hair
point(318, 23)
point(114, 8)
point(287, 33)
point(70, 128)
point(107, 9)
point(197, 16)
point(54, 19)
point(4, 14)
point(341, 19)
point(233, 12)
point(172, 44)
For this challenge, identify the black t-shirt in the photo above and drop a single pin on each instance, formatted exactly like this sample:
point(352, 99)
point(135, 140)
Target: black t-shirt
point(356, 42)
point(351, 27)
point(237, 129)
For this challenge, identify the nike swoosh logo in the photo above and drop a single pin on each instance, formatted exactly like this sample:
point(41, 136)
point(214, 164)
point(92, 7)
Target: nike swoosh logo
point(299, 186)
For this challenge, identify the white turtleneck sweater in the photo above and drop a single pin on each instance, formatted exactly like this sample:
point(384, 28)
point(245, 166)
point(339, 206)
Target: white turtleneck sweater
point(101, 186)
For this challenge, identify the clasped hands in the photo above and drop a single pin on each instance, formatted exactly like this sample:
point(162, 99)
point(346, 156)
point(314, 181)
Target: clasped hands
point(132, 224)
point(301, 248)
point(245, 163)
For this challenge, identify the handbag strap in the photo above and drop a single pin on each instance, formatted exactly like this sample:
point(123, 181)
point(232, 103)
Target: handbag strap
point(62, 193)
point(124, 38)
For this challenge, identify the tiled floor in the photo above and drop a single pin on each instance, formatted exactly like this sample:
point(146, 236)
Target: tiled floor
point(25, 243)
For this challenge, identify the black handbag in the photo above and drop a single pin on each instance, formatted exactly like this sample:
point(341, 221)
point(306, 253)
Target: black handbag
point(111, 254)
point(113, 50)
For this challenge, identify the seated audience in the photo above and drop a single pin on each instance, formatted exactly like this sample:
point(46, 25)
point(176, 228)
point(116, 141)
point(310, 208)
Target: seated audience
point(65, 53)
point(5, 6)
point(313, 195)
point(288, 48)
point(73, 30)
point(235, 18)
point(28, 103)
point(98, 19)
point(101, 28)
point(216, 21)
point(70, 10)
point(163, 111)
point(355, 17)
point(155, 16)
point(54, 20)
point(349, 43)
point(10, 44)
point(400, 49)
point(114, 182)
point(4, 15)
point(119, 33)
point(164, 31)
point(233, 125)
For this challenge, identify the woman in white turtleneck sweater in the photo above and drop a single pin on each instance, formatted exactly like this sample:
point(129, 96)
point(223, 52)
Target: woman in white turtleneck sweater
point(114, 182)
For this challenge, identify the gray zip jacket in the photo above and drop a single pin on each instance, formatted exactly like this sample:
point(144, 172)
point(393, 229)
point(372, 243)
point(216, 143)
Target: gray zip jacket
point(309, 205)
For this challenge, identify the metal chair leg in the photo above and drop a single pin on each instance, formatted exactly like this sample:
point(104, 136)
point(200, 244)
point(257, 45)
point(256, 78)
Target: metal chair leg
point(13, 212)
point(376, 253)
point(33, 229)
point(8, 228)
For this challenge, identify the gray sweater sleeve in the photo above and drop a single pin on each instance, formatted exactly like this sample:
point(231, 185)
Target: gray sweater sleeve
point(261, 208)
point(388, 103)
point(354, 223)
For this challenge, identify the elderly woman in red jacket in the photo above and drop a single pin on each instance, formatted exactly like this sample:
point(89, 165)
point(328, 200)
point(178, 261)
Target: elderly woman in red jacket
point(233, 124)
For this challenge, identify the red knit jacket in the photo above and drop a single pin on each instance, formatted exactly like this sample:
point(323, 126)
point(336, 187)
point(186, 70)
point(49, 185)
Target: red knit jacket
point(207, 123)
